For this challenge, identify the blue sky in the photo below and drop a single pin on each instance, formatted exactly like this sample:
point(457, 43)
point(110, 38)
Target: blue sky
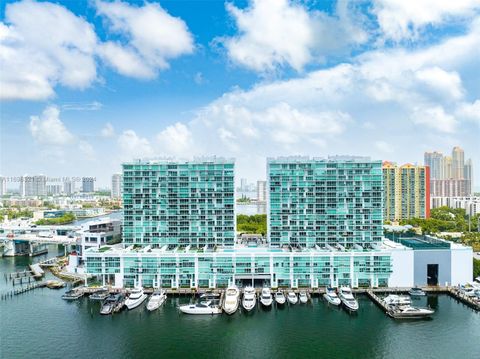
point(87, 85)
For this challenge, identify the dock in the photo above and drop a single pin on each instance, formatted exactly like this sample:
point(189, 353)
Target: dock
point(36, 270)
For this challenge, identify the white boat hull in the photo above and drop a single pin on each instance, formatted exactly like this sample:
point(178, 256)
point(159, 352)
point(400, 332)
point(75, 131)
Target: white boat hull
point(266, 302)
point(155, 304)
point(192, 309)
point(247, 306)
point(353, 307)
point(132, 304)
point(334, 301)
point(292, 301)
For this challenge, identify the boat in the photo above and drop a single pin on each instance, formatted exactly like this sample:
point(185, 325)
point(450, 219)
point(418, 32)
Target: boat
point(280, 297)
point(72, 294)
point(210, 296)
point(55, 284)
point(416, 292)
point(331, 296)
point(292, 297)
point(348, 299)
point(303, 297)
point(207, 307)
point(111, 302)
point(266, 297)
point(137, 297)
point(249, 298)
point(409, 312)
point(120, 303)
point(397, 300)
point(156, 300)
point(101, 294)
point(232, 294)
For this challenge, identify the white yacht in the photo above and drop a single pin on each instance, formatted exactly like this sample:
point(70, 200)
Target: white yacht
point(417, 292)
point(331, 296)
point(280, 297)
point(348, 299)
point(137, 297)
point(230, 304)
point(409, 312)
point(292, 297)
point(266, 297)
point(249, 298)
point(156, 300)
point(397, 300)
point(303, 297)
point(205, 307)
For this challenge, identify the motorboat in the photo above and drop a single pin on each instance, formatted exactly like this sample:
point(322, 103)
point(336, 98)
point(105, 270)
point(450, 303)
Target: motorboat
point(468, 291)
point(266, 297)
point(331, 296)
point(303, 297)
point(206, 307)
point(137, 297)
point(120, 303)
point(156, 300)
point(209, 296)
point(55, 284)
point(348, 299)
point(232, 298)
point(397, 300)
point(111, 303)
point(416, 292)
point(249, 298)
point(101, 294)
point(280, 297)
point(409, 312)
point(292, 297)
point(72, 294)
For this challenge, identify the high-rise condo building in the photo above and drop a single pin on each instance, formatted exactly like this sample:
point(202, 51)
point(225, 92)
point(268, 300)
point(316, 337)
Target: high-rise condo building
point(407, 191)
point(3, 186)
point(261, 191)
point(450, 175)
point(117, 185)
point(179, 203)
point(88, 184)
point(33, 186)
point(68, 187)
point(458, 163)
point(324, 202)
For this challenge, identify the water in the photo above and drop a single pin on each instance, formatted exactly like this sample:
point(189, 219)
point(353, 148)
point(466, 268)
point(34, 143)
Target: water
point(39, 324)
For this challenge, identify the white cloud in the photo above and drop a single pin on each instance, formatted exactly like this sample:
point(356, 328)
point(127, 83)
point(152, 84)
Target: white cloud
point(108, 131)
point(48, 129)
point(133, 146)
point(400, 19)
point(41, 47)
point(469, 111)
point(175, 139)
point(151, 37)
point(276, 33)
point(447, 83)
point(436, 118)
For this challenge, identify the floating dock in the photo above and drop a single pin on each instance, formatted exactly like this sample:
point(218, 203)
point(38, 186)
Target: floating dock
point(36, 270)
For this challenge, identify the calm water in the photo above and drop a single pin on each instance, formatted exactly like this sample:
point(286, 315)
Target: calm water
point(40, 324)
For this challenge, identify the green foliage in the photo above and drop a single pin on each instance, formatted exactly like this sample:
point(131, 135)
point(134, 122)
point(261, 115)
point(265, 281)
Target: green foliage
point(476, 268)
point(472, 239)
point(68, 217)
point(244, 199)
point(16, 213)
point(256, 224)
point(444, 219)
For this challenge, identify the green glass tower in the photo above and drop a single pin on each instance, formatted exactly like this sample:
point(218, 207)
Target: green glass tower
point(325, 202)
point(179, 203)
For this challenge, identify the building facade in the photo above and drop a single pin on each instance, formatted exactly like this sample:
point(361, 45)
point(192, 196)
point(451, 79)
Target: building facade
point(117, 185)
point(33, 186)
point(88, 184)
point(324, 202)
point(406, 191)
point(179, 203)
point(3, 186)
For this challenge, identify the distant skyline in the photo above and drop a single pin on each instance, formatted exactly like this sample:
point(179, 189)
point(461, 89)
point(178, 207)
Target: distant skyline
point(86, 85)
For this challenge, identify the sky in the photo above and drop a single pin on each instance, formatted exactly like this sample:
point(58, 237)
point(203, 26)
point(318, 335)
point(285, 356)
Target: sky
point(87, 85)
